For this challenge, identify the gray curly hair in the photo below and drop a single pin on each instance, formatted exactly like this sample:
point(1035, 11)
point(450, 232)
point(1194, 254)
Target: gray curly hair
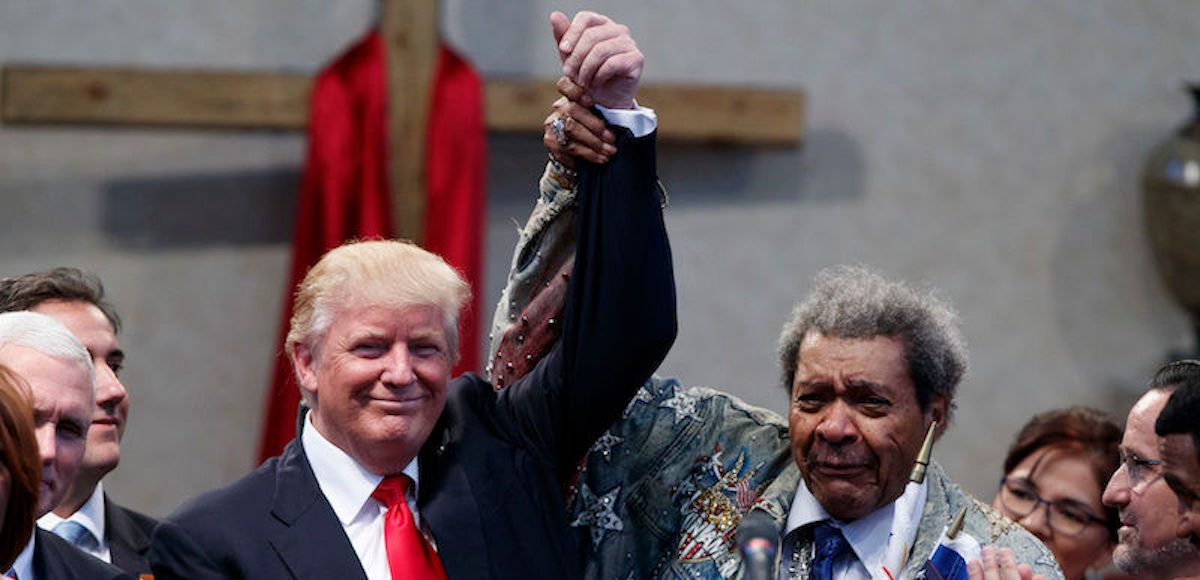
point(854, 302)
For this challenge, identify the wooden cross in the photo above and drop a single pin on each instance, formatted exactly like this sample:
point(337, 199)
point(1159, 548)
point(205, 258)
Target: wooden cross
point(242, 100)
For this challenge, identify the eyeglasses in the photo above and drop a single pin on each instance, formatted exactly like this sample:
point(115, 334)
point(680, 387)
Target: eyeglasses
point(1140, 470)
point(1020, 498)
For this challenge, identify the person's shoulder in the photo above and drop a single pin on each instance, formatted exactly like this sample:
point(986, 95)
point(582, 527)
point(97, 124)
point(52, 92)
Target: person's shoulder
point(116, 511)
point(468, 385)
point(991, 528)
point(669, 430)
point(228, 520)
point(667, 397)
point(733, 408)
point(250, 494)
point(54, 557)
point(982, 521)
point(466, 395)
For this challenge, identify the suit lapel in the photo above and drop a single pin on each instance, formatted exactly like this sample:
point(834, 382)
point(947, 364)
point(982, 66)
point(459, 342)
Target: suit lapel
point(450, 507)
point(54, 558)
point(310, 541)
point(934, 517)
point(45, 565)
point(127, 542)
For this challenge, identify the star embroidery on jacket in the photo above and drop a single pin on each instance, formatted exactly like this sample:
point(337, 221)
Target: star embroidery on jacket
point(599, 513)
point(713, 463)
point(684, 405)
point(604, 445)
point(644, 395)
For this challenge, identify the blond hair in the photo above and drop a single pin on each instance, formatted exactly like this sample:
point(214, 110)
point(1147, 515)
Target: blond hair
point(380, 272)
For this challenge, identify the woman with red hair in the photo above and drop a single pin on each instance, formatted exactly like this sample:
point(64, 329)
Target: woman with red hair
point(20, 470)
point(1054, 475)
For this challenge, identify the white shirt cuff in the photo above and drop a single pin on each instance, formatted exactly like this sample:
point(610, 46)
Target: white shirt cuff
point(641, 121)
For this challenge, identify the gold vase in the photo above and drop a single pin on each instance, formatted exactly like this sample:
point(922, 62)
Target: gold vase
point(1171, 194)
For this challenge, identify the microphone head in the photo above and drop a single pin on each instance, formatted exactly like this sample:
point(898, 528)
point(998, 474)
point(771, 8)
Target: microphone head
point(758, 531)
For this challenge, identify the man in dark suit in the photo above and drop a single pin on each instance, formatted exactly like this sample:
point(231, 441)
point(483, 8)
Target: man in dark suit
point(113, 533)
point(372, 341)
point(55, 558)
point(1179, 442)
point(58, 372)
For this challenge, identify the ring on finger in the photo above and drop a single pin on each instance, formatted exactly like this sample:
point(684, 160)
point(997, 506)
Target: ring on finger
point(558, 129)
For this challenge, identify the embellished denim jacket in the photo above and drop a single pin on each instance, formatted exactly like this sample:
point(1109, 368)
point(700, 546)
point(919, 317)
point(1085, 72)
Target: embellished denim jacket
point(664, 489)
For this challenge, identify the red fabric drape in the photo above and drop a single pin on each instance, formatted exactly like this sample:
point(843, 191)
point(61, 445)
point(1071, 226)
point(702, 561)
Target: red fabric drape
point(344, 193)
point(455, 178)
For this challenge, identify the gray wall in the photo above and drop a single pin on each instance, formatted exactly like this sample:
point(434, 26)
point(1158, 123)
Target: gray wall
point(989, 148)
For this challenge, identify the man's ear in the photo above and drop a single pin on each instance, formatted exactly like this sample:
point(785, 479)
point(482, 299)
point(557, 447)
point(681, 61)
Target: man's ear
point(306, 372)
point(938, 411)
point(1184, 528)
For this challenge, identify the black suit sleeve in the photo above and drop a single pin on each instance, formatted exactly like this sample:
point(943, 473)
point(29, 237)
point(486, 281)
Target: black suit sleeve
point(619, 317)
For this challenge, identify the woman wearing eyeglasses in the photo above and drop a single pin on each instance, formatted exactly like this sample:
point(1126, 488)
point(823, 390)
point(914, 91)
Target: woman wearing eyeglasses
point(1054, 475)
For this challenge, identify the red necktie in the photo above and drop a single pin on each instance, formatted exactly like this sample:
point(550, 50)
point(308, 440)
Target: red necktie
point(410, 557)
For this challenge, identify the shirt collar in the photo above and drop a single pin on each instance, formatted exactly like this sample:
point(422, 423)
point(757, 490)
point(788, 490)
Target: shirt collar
point(90, 515)
point(881, 539)
point(345, 482)
point(23, 565)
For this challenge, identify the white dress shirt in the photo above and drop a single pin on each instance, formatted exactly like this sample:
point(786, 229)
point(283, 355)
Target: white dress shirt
point(880, 540)
point(91, 517)
point(348, 486)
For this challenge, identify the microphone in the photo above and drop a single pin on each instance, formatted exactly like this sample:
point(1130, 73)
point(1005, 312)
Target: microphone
point(758, 542)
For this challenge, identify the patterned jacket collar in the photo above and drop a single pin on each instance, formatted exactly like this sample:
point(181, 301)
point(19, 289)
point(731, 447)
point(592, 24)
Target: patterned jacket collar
point(940, 506)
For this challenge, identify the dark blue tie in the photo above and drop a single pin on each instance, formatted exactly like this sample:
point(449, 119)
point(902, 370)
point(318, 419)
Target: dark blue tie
point(829, 544)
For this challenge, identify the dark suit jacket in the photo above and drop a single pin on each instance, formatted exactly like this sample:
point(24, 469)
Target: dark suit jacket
point(490, 470)
point(56, 559)
point(128, 534)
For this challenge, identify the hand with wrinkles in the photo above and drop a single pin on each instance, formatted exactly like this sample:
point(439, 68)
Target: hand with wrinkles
point(999, 565)
point(600, 56)
point(584, 134)
point(601, 65)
